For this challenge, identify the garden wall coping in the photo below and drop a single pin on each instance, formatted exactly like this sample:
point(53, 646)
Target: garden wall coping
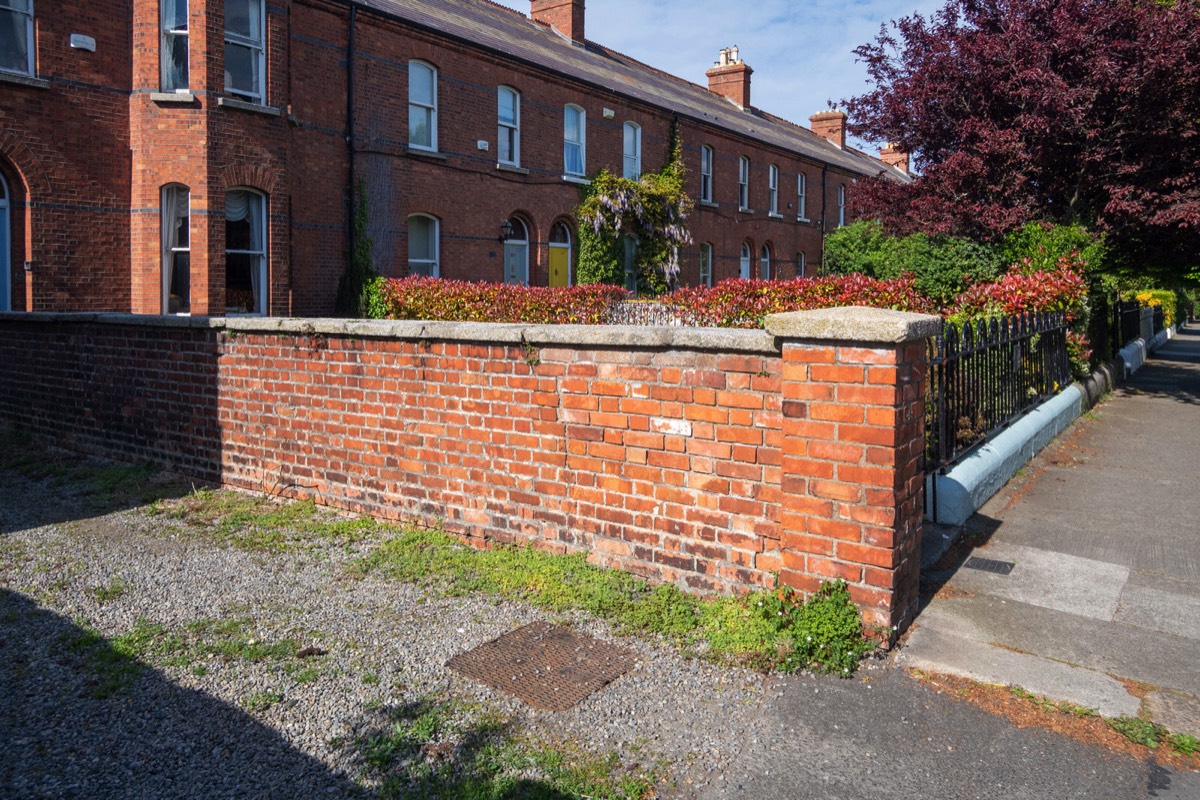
point(854, 324)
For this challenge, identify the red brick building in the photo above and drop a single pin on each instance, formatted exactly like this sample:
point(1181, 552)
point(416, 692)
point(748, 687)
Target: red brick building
point(198, 155)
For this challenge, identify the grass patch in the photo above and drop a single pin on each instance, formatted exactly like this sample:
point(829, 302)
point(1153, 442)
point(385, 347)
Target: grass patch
point(259, 701)
point(115, 589)
point(262, 524)
point(455, 751)
point(766, 629)
point(99, 485)
point(1151, 734)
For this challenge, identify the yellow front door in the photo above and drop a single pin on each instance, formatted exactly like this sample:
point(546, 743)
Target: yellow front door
point(560, 266)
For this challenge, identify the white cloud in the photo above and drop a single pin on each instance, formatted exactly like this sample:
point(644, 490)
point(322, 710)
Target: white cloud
point(801, 52)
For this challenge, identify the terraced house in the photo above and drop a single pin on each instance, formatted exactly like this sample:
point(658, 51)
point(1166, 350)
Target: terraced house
point(198, 156)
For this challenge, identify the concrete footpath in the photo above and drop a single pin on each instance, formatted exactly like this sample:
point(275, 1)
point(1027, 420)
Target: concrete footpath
point(1080, 581)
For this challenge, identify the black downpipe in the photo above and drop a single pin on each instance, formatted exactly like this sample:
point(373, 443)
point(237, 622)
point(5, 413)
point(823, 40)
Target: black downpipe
point(350, 236)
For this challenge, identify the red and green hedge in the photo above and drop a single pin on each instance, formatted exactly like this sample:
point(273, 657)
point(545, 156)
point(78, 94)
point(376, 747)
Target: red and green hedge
point(462, 301)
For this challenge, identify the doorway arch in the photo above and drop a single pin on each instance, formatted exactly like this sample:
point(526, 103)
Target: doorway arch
point(560, 254)
point(516, 253)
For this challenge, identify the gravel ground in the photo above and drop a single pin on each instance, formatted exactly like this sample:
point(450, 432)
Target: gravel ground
point(236, 728)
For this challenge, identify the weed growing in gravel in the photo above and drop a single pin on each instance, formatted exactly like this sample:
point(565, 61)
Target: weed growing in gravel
point(256, 523)
point(1138, 731)
point(767, 629)
point(452, 750)
point(112, 591)
point(1184, 744)
point(1062, 707)
point(111, 669)
point(100, 485)
point(260, 701)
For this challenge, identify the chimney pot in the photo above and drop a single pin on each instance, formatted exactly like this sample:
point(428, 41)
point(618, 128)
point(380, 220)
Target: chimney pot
point(730, 77)
point(893, 156)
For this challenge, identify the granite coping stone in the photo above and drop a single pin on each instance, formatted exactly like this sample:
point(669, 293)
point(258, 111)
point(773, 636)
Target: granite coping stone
point(853, 324)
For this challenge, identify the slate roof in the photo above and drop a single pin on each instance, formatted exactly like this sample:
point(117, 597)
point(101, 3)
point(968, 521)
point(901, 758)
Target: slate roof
point(503, 30)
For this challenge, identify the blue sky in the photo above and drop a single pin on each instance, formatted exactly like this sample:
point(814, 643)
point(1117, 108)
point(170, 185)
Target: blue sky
point(801, 52)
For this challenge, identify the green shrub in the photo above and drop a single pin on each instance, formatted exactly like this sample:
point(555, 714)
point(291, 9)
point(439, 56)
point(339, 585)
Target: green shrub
point(1165, 299)
point(943, 266)
point(1039, 246)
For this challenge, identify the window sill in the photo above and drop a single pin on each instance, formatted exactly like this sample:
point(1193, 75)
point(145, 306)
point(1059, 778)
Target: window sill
point(804, 220)
point(175, 98)
point(579, 179)
point(744, 210)
point(708, 204)
point(773, 215)
point(512, 168)
point(430, 154)
point(253, 108)
point(24, 80)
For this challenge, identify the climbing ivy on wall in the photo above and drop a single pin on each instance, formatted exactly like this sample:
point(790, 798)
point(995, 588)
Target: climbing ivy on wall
point(353, 288)
point(653, 209)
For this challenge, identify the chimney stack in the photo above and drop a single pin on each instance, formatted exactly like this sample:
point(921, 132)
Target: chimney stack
point(830, 125)
point(564, 16)
point(730, 78)
point(893, 156)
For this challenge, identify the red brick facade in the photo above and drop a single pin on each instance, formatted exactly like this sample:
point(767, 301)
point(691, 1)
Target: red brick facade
point(89, 140)
point(714, 460)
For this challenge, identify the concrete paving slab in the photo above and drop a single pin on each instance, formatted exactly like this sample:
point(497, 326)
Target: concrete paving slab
point(1160, 610)
point(1178, 712)
point(1114, 648)
point(934, 650)
point(1045, 578)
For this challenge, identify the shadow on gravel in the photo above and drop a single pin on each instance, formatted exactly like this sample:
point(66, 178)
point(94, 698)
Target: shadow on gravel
point(71, 486)
point(79, 719)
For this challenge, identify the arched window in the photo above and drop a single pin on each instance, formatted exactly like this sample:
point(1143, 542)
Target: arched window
point(508, 126)
point(422, 106)
point(561, 257)
point(176, 249)
point(764, 263)
point(16, 36)
point(574, 141)
point(423, 246)
point(633, 151)
point(245, 51)
point(706, 259)
point(5, 248)
point(516, 253)
point(245, 252)
point(745, 260)
point(841, 204)
point(801, 266)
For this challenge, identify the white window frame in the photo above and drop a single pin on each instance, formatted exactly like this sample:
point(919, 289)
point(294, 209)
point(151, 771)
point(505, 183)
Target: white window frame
point(764, 262)
point(430, 110)
point(801, 265)
point(264, 287)
point(508, 131)
point(744, 183)
point(30, 40)
point(169, 252)
point(5, 246)
point(167, 51)
point(841, 205)
point(581, 144)
point(706, 174)
point(802, 197)
point(432, 267)
point(632, 161)
point(258, 48)
point(773, 189)
point(745, 261)
point(706, 264)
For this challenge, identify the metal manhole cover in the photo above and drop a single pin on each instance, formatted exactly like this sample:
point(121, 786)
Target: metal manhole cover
point(547, 666)
point(989, 565)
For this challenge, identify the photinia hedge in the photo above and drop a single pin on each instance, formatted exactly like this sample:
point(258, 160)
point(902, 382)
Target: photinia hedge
point(462, 301)
point(1015, 292)
point(740, 303)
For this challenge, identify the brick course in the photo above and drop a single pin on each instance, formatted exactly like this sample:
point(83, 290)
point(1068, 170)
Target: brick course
point(630, 452)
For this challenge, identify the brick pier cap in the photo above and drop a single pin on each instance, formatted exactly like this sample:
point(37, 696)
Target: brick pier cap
point(853, 324)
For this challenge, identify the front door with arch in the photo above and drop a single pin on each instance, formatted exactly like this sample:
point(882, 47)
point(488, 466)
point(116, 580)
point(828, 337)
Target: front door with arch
point(745, 261)
point(516, 254)
point(5, 248)
point(560, 255)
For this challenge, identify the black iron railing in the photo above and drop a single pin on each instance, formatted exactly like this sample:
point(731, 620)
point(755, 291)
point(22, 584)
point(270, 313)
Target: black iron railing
point(986, 374)
point(1127, 322)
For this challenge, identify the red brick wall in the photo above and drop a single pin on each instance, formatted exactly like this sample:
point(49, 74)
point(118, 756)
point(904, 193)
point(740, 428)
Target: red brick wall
point(713, 460)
